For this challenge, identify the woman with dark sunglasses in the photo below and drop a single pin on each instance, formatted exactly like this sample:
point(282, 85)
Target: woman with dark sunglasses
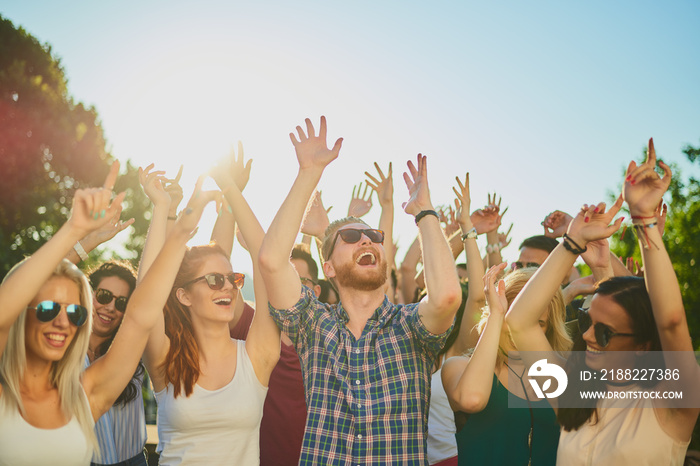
point(48, 407)
point(210, 388)
point(121, 432)
point(626, 314)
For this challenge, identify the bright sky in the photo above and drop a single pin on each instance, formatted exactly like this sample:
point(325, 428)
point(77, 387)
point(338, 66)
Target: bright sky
point(543, 102)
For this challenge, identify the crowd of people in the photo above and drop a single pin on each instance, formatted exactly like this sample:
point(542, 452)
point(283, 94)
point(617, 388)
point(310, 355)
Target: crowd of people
point(423, 362)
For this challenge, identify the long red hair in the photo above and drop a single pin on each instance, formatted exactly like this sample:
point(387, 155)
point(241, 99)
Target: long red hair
point(181, 366)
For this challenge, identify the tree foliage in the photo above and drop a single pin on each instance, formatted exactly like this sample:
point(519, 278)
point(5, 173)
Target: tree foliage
point(49, 146)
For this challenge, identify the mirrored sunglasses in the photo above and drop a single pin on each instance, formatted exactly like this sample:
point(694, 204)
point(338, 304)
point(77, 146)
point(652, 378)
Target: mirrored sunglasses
point(216, 280)
point(103, 296)
point(602, 332)
point(46, 311)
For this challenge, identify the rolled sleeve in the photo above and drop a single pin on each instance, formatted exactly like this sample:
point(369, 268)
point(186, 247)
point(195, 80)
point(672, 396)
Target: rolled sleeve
point(431, 342)
point(297, 318)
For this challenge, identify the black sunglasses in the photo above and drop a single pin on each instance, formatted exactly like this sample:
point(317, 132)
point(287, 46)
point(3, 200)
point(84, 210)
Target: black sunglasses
point(353, 235)
point(46, 311)
point(603, 334)
point(103, 296)
point(217, 280)
point(521, 265)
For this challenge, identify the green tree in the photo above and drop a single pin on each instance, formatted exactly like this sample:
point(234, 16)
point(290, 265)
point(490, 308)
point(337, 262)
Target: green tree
point(49, 146)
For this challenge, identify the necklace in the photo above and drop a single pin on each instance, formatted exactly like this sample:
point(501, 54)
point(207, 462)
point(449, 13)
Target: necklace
point(529, 407)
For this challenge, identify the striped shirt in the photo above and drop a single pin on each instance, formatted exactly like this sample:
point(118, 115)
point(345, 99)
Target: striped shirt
point(121, 431)
point(367, 398)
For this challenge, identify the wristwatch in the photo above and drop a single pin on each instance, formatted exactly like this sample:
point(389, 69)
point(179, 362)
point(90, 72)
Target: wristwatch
point(471, 234)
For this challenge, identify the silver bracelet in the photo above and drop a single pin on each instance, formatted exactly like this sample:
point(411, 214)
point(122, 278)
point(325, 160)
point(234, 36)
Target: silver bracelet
point(80, 251)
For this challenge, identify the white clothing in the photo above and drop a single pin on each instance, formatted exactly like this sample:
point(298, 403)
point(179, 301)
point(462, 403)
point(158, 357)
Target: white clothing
point(22, 443)
point(627, 432)
point(442, 443)
point(213, 427)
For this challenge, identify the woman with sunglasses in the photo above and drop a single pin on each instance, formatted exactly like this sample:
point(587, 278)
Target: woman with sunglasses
point(626, 314)
point(482, 385)
point(47, 407)
point(121, 432)
point(210, 388)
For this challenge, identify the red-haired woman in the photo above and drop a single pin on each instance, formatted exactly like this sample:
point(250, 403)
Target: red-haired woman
point(210, 388)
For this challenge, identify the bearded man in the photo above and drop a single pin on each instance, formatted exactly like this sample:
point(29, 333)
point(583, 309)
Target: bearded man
point(366, 363)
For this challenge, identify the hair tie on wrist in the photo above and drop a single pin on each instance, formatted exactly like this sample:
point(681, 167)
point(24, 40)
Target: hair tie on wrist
point(573, 247)
point(423, 213)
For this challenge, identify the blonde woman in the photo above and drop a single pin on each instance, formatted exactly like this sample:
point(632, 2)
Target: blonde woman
point(478, 385)
point(47, 409)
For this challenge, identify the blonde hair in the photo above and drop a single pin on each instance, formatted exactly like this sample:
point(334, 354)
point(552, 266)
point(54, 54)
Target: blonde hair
point(555, 331)
point(65, 373)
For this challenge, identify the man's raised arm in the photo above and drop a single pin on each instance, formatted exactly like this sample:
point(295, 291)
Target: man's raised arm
point(438, 308)
point(313, 155)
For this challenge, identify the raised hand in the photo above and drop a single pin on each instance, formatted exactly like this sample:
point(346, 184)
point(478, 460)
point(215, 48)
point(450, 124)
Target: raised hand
point(417, 183)
point(485, 220)
point(152, 183)
point(312, 151)
point(448, 217)
point(597, 255)
point(92, 208)
point(174, 190)
point(503, 238)
point(593, 222)
point(232, 169)
point(316, 219)
point(496, 295)
point(190, 215)
point(463, 203)
point(644, 188)
point(384, 186)
point(556, 223)
point(360, 204)
point(633, 266)
point(107, 231)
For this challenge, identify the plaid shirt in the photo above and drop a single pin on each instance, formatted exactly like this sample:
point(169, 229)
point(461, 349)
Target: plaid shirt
point(367, 399)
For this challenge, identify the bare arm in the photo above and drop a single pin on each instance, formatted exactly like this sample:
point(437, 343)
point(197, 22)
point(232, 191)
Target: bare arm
point(91, 210)
point(152, 183)
point(313, 155)
point(590, 224)
point(408, 284)
point(438, 307)
point(476, 297)
point(263, 341)
point(384, 187)
point(468, 381)
point(103, 234)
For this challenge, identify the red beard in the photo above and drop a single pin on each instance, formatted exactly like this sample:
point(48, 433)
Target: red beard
point(363, 280)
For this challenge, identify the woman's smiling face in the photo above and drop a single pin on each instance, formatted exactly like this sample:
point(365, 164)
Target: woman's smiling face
point(48, 341)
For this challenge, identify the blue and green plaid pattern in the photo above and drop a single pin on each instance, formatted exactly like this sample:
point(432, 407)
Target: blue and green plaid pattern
point(367, 399)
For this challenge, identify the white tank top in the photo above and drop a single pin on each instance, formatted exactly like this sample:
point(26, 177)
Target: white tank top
point(442, 443)
point(22, 443)
point(628, 433)
point(213, 426)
